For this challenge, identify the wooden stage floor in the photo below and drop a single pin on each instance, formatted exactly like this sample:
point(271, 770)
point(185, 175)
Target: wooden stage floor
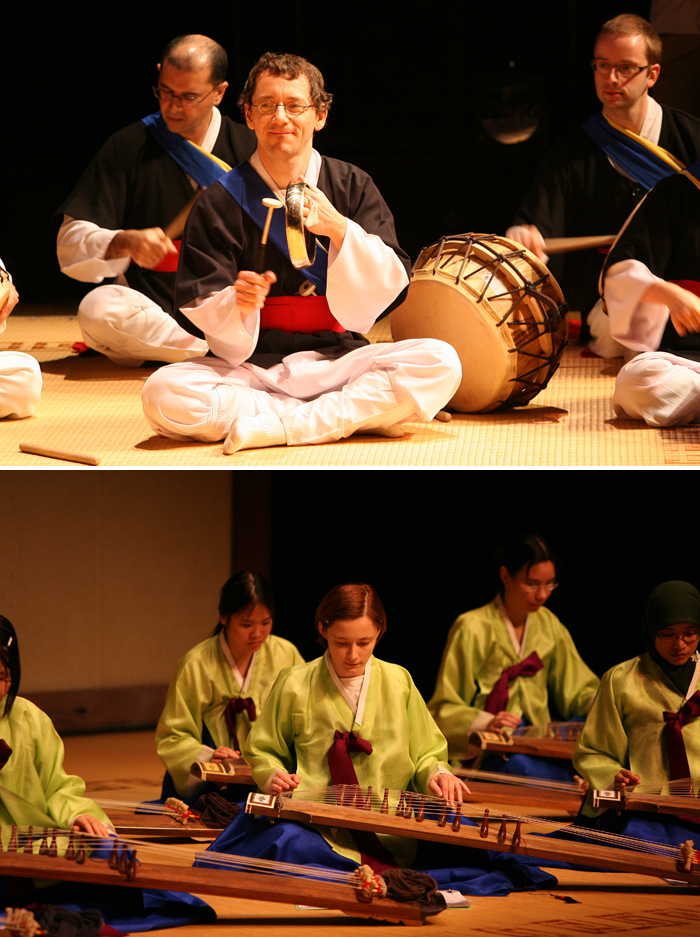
point(125, 766)
point(91, 406)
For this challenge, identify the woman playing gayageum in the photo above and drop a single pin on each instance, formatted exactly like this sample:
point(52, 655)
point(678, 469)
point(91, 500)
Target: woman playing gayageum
point(350, 718)
point(643, 727)
point(222, 684)
point(511, 662)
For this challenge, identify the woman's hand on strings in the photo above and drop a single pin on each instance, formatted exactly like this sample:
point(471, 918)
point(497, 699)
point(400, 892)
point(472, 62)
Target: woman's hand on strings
point(87, 824)
point(222, 753)
point(251, 290)
point(625, 777)
point(449, 787)
point(284, 782)
point(503, 719)
point(321, 217)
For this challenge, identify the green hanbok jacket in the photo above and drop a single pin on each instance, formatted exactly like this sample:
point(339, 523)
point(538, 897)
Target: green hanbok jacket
point(479, 648)
point(625, 727)
point(302, 714)
point(199, 693)
point(34, 788)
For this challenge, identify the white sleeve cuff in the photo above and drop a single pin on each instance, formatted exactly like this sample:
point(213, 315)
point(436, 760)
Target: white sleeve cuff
point(481, 721)
point(364, 277)
point(228, 335)
point(81, 247)
point(635, 324)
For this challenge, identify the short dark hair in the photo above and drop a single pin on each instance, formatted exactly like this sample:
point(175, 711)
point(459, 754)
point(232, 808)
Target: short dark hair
point(627, 24)
point(347, 601)
point(290, 67)
point(523, 552)
point(9, 655)
point(179, 54)
point(244, 590)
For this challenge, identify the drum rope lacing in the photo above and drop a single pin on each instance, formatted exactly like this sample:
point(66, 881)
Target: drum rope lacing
point(525, 289)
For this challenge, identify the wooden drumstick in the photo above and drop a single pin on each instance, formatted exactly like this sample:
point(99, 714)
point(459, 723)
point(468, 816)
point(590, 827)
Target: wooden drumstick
point(177, 225)
point(59, 453)
point(565, 245)
point(271, 204)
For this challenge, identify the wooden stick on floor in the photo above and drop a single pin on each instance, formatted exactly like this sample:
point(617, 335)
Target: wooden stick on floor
point(59, 454)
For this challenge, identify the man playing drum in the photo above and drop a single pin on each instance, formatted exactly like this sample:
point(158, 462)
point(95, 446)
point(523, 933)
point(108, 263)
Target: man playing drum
point(293, 369)
point(139, 183)
point(595, 176)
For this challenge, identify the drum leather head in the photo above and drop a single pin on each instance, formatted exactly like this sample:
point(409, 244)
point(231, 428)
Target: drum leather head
point(440, 310)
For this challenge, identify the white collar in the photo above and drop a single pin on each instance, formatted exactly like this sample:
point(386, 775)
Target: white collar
point(517, 645)
point(312, 173)
point(242, 683)
point(357, 708)
point(694, 682)
point(211, 136)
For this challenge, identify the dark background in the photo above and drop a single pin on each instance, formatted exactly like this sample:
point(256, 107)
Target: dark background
point(425, 541)
point(412, 82)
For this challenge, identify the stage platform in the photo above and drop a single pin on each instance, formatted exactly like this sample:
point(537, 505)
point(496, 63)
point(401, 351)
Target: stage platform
point(89, 405)
point(125, 766)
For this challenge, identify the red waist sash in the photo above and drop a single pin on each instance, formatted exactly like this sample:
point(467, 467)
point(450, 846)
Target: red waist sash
point(169, 263)
point(306, 314)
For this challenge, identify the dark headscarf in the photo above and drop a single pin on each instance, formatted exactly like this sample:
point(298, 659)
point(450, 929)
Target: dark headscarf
point(671, 603)
point(9, 652)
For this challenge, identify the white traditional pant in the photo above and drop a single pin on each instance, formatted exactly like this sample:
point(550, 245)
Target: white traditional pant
point(659, 388)
point(602, 343)
point(20, 384)
point(317, 399)
point(130, 328)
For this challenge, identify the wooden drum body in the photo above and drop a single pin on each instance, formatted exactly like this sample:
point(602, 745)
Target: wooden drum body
point(498, 306)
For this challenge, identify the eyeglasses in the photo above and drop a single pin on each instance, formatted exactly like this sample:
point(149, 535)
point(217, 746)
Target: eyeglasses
point(688, 637)
point(536, 586)
point(6, 677)
point(624, 71)
point(186, 100)
point(293, 109)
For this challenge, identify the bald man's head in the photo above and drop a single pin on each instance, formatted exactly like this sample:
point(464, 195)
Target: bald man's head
point(188, 53)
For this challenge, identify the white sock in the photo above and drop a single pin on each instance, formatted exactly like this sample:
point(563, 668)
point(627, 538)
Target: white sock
point(255, 432)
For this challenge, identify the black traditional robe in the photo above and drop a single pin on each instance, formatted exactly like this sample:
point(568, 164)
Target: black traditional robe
point(577, 192)
point(133, 183)
point(221, 239)
point(664, 235)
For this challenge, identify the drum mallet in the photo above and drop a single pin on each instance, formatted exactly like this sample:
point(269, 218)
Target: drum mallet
point(271, 204)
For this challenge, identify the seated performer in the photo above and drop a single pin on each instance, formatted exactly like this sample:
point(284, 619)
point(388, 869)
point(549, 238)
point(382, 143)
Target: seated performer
point(138, 184)
point(20, 374)
point(512, 661)
point(351, 718)
point(293, 369)
point(651, 287)
point(594, 177)
point(643, 725)
point(36, 791)
point(222, 684)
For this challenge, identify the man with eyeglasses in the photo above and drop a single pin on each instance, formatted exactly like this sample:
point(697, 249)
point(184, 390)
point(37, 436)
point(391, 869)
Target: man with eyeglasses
point(291, 364)
point(123, 219)
point(595, 176)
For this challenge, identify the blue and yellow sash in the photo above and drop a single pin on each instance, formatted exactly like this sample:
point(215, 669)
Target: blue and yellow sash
point(204, 168)
point(646, 162)
point(248, 190)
